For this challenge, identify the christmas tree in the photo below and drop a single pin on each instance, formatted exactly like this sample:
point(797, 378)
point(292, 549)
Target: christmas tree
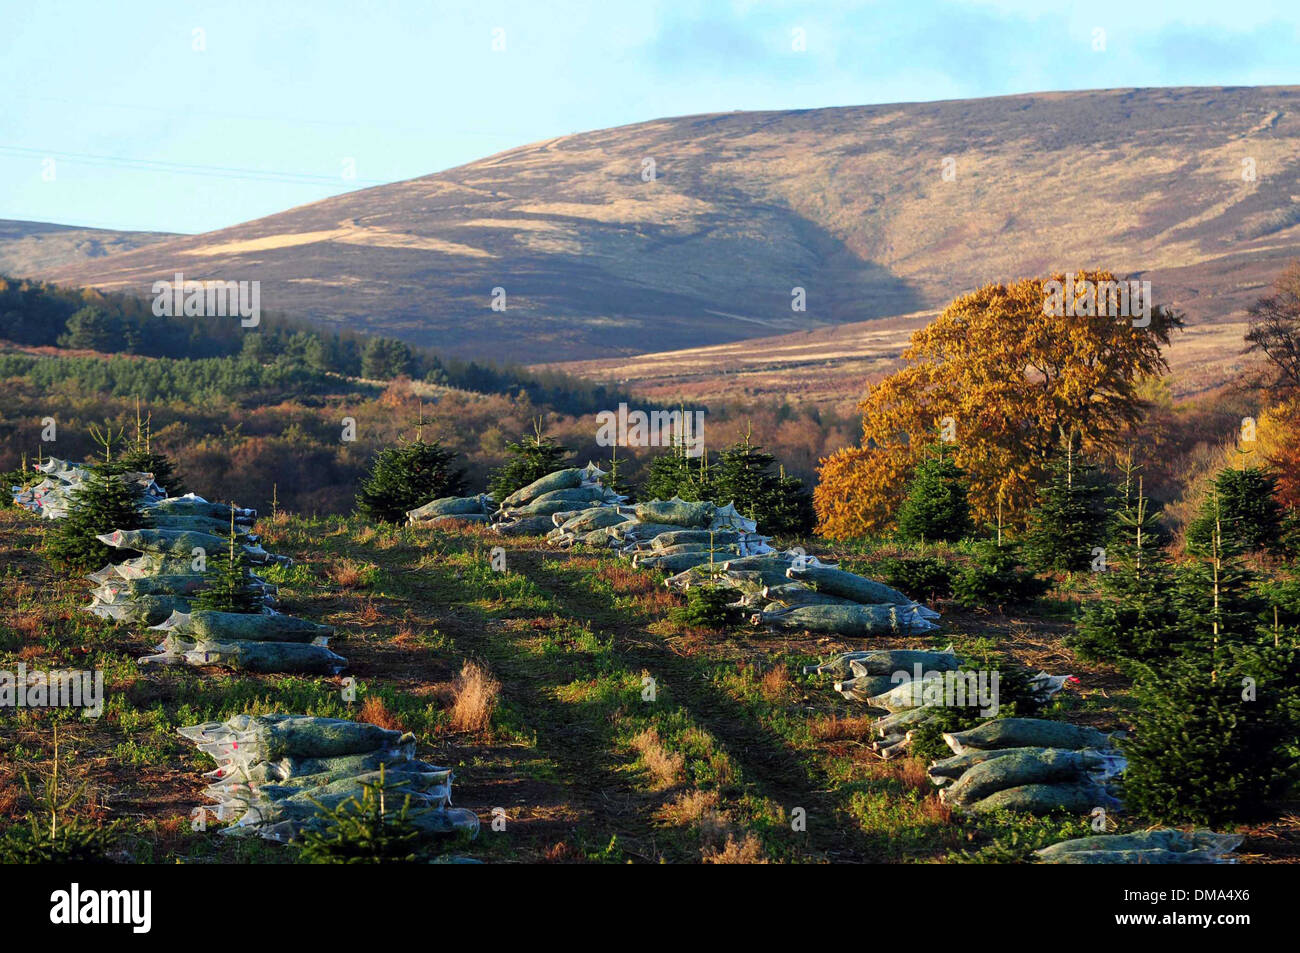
point(229, 586)
point(936, 507)
point(1137, 618)
point(1247, 511)
point(98, 505)
point(407, 476)
point(529, 459)
point(1070, 521)
point(1214, 723)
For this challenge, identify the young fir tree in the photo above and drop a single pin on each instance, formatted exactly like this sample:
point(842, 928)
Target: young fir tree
point(229, 586)
point(1137, 618)
point(529, 459)
point(1248, 512)
point(1215, 724)
point(407, 476)
point(366, 830)
point(791, 508)
point(613, 478)
point(100, 504)
point(675, 473)
point(936, 507)
point(1070, 521)
point(140, 457)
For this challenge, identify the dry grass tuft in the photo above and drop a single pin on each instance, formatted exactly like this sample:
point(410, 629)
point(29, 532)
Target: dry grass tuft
point(835, 728)
point(666, 767)
point(745, 851)
point(375, 712)
point(347, 573)
point(475, 694)
point(775, 685)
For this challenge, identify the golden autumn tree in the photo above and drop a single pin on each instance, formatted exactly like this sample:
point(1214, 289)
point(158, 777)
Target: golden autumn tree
point(1004, 371)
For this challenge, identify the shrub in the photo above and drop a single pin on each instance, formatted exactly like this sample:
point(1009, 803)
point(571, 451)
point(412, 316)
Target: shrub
point(407, 476)
point(922, 577)
point(995, 578)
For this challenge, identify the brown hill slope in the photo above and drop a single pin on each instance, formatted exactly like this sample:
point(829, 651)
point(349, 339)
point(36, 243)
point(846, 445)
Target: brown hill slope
point(33, 249)
point(848, 203)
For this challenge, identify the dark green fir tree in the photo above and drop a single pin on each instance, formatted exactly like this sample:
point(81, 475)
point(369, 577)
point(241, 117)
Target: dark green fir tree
point(407, 476)
point(530, 458)
point(98, 505)
point(936, 506)
point(1070, 522)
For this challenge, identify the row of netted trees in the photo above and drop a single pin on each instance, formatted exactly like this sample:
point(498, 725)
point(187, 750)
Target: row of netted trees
point(411, 474)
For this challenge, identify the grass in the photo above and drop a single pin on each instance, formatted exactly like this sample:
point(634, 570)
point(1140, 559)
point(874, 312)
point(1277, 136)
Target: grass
point(584, 723)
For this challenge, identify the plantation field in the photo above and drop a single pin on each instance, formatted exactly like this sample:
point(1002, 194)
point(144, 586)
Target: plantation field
point(571, 757)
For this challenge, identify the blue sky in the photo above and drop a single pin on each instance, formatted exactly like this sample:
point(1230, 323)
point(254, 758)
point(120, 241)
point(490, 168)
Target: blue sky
point(111, 117)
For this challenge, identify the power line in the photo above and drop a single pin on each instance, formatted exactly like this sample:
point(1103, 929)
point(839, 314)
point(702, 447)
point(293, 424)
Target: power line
point(189, 168)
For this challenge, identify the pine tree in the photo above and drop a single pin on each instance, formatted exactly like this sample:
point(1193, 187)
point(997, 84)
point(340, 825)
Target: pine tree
point(1137, 618)
point(230, 585)
point(529, 459)
point(1214, 723)
point(1248, 511)
point(407, 476)
point(98, 505)
point(365, 830)
point(142, 458)
point(613, 478)
point(1070, 521)
point(936, 506)
point(672, 473)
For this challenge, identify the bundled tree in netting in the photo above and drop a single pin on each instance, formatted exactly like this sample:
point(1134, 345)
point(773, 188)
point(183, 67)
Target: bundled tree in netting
point(528, 459)
point(1244, 503)
point(1071, 520)
point(407, 476)
point(98, 505)
point(229, 586)
point(1137, 618)
point(936, 507)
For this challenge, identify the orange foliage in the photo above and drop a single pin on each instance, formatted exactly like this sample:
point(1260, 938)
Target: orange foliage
point(1010, 373)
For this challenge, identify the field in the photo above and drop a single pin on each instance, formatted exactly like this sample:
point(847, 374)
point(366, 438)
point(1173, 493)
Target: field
point(571, 760)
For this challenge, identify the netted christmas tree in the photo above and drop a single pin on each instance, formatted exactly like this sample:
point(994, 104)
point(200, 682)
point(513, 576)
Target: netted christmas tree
point(1070, 521)
point(530, 458)
point(936, 507)
point(407, 476)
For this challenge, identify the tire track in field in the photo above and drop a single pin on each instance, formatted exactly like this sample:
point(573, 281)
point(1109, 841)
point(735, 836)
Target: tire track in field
point(765, 758)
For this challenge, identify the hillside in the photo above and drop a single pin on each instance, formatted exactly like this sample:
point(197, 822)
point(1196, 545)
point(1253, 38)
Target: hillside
point(848, 203)
point(36, 248)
